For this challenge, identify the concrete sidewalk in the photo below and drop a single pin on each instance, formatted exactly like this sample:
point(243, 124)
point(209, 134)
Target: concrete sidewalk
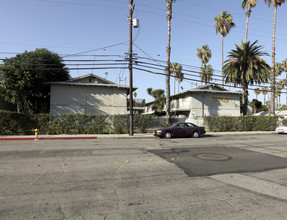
point(115, 136)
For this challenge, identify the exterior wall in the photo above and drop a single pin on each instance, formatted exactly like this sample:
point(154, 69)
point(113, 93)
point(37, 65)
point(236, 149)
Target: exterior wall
point(213, 104)
point(67, 99)
point(206, 104)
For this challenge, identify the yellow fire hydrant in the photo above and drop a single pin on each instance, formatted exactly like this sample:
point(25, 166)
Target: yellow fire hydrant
point(36, 132)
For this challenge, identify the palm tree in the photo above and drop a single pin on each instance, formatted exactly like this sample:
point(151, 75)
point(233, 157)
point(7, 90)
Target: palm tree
point(248, 4)
point(206, 73)
point(176, 69)
point(264, 92)
point(204, 54)
point(167, 70)
point(223, 24)
point(245, 66)
point(159, 99)
point(275, 4)
point(257, 92)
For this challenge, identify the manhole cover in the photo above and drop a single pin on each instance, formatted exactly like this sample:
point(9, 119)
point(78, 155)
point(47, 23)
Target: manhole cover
point(212, 156)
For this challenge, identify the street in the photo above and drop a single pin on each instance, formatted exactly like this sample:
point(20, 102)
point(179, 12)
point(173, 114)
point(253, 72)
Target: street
point(212, 177)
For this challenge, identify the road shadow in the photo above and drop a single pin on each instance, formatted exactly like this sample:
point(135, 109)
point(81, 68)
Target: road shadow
point(219, 160)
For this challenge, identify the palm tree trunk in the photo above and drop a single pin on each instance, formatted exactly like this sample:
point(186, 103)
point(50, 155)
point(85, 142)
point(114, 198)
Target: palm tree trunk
point(272, 104)
point(174, 85)
point(222, 60)
point(247, 22)
point(244, 98)
point(167, 70)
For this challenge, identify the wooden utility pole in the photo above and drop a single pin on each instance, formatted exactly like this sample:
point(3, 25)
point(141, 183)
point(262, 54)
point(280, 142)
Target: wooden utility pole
point(131, 7)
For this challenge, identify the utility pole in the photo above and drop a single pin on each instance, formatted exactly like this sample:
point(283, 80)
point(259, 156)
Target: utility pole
point(131, 7)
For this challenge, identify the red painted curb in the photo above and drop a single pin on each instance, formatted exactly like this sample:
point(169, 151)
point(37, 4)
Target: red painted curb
point(45, 138)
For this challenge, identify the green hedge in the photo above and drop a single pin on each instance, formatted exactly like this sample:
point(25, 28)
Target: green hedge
point(241, 123)
point(12, 123)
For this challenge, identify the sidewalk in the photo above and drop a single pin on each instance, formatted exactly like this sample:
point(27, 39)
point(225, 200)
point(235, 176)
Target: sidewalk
point(114, 136)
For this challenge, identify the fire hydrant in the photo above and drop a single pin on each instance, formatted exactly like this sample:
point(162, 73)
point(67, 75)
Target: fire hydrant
point(36, 132)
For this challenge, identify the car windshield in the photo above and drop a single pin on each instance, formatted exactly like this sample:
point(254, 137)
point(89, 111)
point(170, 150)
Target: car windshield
point(173, 125)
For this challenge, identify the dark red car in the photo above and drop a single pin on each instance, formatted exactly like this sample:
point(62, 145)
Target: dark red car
point(180, 130)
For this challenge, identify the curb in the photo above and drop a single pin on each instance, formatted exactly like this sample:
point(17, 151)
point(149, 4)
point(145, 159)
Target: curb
point(43, 138)
point(121, 136)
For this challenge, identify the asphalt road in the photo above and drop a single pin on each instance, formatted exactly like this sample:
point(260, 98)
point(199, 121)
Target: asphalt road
point(226, 177)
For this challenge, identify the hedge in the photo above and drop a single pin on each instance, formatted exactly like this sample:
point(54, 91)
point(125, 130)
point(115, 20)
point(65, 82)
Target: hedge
point(12, 123)
point(241, 123)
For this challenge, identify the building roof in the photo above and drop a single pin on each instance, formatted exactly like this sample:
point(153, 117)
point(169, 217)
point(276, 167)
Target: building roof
point(104, 81)
point(100, 82)
point(210, 88)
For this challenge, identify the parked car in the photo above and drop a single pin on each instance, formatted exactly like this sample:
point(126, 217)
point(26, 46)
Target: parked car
point(180, 130)
point(281, 130)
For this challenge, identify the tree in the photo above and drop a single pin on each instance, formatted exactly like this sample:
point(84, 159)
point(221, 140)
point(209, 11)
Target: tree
point(244, 66)
point(24, 76)
point(275, 4)
point(176, 69)
point(278, 89)
point(206, 73)
point(159, 99)
point(264, 92)
point(255, 104)
point(223, 24)
point(204, 54)
point(168, 49)
point(257, 92)
point(248, 4)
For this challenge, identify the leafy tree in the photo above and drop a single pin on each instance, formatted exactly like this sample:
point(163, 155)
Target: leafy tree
point(248, 4)
point(255, 104)
point(244, 66)
point(176, 69)
point(159, 99)
point(23, 79)
point(275, 4)
point(223, 24)
point(206, 73)
point(168, 49)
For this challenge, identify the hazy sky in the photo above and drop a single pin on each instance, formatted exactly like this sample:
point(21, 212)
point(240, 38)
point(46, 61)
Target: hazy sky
point(74, 27)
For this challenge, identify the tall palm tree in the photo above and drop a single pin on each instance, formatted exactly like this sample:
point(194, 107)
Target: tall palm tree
point(248, 4)
point(257, 92)
point(244, 66)
point(275, 3)
point(223, 24)
point(264, 92)
point(204, 54)
point(176, 69)
point(167, 70)
point(206, 73)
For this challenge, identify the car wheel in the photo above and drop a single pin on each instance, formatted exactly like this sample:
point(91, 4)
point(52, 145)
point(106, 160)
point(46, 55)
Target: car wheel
point(167, 135)
point(195, 134)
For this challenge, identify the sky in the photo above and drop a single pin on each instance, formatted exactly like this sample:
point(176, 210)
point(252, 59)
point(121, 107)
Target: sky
point(93, 32)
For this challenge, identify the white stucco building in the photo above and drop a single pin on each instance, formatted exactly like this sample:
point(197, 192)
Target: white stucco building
point(88, 94)
point(208, 100)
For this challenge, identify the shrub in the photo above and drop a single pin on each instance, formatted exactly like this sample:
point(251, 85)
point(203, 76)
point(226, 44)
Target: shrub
point(241, 123)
